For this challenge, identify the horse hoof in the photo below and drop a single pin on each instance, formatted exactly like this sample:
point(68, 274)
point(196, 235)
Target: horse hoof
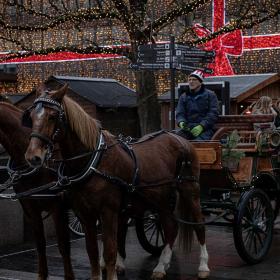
point(203, 274)
point(96, 278)
point(42, 277)
point(120, 270)
point(158, 276)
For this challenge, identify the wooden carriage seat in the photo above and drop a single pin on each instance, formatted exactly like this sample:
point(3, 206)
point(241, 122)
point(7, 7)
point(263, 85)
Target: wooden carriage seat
point(209, 154)
point(229, 123)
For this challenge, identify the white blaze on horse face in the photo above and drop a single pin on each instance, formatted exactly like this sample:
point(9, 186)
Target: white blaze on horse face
point(203, 266)
point(40, 112)
point(164, 260)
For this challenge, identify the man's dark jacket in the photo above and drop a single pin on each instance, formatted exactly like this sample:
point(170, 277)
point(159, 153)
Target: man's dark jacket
point(196, 108)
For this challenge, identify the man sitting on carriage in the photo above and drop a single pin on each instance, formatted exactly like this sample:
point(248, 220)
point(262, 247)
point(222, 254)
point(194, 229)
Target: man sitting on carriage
point(197, 110)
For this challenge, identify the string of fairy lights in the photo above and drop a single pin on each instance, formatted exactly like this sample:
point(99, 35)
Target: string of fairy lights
point(55, 34)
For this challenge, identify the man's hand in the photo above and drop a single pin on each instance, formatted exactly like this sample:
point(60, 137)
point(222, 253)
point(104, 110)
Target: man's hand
point(197, 130)
point(184, 126)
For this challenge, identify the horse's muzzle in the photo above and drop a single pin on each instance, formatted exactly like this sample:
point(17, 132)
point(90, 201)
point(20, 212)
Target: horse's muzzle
point(35, 161)
point(35, 157)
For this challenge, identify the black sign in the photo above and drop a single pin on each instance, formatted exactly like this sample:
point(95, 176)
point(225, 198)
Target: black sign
point(186, 59)
point(187, 67)
point(184, 47)
point(152, 53)
point(151, 66)
point(147, 48)
point(155, 59)
point(191, 49)
point(195, 53)
point(163, 56)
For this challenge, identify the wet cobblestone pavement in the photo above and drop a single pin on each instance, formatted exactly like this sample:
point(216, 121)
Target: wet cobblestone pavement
point(21, 263)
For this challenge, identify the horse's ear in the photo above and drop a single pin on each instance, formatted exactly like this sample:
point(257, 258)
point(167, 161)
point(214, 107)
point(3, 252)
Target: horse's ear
point(59, 94)
point(40, 89)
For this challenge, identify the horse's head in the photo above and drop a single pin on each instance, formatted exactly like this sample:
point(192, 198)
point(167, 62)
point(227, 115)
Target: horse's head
point(46, 118)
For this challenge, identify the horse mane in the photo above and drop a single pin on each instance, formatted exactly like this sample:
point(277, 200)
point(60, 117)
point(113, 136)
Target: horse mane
point(86, 128)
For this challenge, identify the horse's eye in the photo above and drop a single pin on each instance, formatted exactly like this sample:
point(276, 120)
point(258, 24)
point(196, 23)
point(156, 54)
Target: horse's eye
point(52, 118)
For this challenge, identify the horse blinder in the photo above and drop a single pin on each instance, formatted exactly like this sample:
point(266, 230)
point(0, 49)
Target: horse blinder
point(26, 120)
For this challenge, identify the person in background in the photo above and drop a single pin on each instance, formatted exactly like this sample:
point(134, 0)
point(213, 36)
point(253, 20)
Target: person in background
point(276, 107)
point(197, 110)
point(263, 106)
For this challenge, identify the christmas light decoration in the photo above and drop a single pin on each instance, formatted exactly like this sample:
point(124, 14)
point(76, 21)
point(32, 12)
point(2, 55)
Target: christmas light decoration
point(232, 43)
point(54, 57)
point(75, 35)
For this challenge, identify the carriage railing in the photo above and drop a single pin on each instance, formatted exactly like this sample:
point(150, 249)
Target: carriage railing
point(228, 123)
point(267, 140)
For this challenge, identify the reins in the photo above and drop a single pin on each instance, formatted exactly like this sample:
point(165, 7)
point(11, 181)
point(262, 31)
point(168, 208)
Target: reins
point(16, 173)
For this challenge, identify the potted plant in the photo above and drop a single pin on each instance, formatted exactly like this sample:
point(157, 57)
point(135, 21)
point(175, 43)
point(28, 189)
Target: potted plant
point(230, 155)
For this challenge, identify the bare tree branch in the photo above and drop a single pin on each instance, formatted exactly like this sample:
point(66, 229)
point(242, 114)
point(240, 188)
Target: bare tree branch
point(78, 16)
point(172, 15)
point(15, 3)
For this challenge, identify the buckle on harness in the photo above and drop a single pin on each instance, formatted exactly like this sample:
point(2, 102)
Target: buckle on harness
point(131, 188)
point(64, 181)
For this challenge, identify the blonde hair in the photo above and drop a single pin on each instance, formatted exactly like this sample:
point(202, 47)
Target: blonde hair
point(263, 106)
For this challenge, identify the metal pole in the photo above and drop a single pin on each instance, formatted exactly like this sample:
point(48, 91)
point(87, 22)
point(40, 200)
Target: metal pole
point(172, 82)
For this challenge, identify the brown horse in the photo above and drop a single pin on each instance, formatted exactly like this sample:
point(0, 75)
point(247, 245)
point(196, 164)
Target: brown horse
point(100, 188)
point(14, 138)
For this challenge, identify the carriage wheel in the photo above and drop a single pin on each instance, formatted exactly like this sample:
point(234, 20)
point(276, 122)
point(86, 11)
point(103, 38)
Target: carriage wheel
point(253, 226)
point(149, 232)
point(74, 224)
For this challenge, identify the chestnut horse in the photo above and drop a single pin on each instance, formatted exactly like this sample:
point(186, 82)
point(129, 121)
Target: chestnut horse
point(14, 138)
point(100, 189)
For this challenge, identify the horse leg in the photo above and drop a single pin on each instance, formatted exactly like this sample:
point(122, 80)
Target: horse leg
point(190, 210)
point(109, 231)
point(122, 232)
point(203, 269)
point(120, 267)
point(170, 229)
point(60, 219)
point(89, 226)
point(39, 235)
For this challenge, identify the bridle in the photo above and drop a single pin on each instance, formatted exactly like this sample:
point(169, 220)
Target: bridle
point(27, 121)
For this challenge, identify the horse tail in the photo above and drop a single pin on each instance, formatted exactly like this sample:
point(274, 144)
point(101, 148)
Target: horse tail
point(189, 193)
point(185, 230)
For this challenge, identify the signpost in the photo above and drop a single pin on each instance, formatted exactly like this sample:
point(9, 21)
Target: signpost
point(172, 56)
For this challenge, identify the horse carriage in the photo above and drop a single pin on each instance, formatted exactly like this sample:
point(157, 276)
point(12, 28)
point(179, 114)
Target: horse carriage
point(245, 197)
point(239, 186)
point(240, 181)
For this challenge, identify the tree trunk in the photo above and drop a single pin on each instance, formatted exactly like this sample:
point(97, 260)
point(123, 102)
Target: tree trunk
point(148, 106)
